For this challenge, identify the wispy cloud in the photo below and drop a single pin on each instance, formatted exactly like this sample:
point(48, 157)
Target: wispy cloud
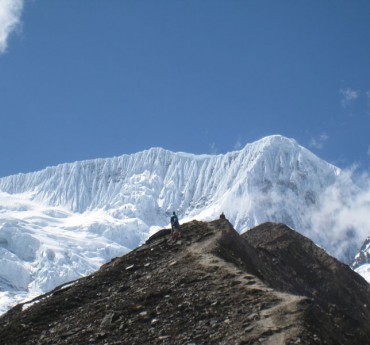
point(213, 148)
point(10, 14)
point(348, 96)
point(341, 217)
point(319, 142)
point(238, 145)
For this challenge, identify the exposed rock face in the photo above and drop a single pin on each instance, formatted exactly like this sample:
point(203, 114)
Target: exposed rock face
point(363, 256)
point(213, 286)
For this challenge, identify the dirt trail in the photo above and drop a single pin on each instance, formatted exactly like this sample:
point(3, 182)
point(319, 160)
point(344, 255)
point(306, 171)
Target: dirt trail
point(273, 325)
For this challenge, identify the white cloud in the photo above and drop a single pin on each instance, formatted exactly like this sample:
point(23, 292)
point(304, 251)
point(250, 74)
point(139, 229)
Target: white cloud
point(341, 217)
point(348, 96)
point(318, 143)
point(10, 13)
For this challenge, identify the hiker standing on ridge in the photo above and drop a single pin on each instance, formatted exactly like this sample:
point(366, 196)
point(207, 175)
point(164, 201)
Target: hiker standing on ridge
point(175, 226)
point(222, 216)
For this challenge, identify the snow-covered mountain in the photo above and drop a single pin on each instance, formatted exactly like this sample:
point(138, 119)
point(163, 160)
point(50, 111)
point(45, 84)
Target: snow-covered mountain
point(361, 263)
point(65, 221)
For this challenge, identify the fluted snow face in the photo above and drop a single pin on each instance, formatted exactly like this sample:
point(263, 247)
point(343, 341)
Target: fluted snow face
point(151, 184)
point(113, 204)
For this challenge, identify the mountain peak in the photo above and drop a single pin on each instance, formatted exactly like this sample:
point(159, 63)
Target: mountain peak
point(277, 139)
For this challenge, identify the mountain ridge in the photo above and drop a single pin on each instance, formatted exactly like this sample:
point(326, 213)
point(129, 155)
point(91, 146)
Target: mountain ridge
point(208, 287)
point(159, 163)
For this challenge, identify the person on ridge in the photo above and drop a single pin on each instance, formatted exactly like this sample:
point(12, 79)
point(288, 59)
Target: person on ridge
point(222, 216)
point(175, 226)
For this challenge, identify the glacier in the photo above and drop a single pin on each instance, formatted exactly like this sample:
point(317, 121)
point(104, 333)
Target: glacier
point(63, 222)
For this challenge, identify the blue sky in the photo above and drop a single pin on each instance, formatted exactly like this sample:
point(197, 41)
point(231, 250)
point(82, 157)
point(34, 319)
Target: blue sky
point(87, 79)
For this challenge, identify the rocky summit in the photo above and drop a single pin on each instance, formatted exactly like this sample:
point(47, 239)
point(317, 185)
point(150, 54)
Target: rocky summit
point(270, 286)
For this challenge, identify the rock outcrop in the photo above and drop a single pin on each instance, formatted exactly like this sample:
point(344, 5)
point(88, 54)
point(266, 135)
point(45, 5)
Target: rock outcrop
point(363, 256)
point(213, 286)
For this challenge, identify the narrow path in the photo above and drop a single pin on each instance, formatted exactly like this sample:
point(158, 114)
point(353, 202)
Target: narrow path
point(276, 321)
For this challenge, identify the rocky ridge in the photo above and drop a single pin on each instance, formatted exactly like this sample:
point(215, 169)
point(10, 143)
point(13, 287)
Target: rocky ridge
point(270, 285)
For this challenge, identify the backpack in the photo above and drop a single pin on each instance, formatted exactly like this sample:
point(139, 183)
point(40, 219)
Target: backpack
point(175, 221)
